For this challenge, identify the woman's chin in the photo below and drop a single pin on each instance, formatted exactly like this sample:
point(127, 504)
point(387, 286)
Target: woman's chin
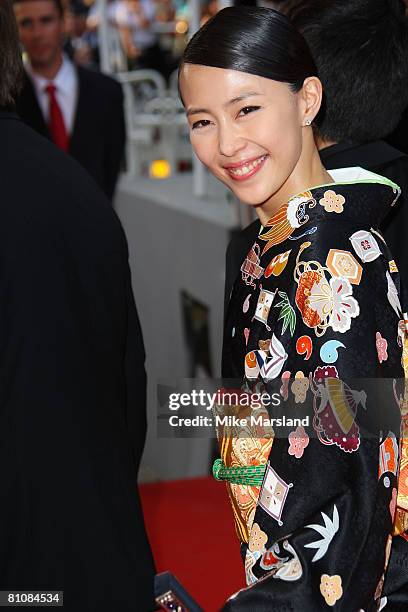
point(249, 194)
point(255, 202)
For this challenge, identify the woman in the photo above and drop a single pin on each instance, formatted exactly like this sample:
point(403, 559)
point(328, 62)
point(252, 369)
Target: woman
point(316, 301)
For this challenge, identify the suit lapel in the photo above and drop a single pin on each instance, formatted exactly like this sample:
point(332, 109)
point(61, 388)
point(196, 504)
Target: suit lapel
point(367, 155)
point(29, 107)
point(81, 112)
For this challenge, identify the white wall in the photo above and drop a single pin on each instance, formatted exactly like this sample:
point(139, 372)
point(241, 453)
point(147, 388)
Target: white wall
point(176, 242)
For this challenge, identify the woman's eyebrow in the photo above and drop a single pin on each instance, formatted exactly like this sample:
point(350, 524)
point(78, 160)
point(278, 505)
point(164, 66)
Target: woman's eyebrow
point(195, 111)
point(243, 96)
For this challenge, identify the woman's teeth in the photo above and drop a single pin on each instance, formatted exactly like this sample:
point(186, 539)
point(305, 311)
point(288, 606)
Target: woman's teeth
point(248, 168)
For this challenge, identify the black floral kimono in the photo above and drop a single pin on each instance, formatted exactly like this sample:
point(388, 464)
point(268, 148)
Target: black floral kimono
point(317, 306)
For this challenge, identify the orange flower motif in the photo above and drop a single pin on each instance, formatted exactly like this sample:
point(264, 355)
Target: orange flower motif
point(257, 539)
point(331, 589)
point(332, 202)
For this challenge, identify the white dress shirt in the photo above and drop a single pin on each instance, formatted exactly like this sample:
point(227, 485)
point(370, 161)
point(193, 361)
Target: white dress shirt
point(66, 83)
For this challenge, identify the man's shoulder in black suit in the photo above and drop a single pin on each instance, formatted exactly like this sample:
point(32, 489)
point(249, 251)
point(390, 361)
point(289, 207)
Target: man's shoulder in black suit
point(101, 85)
point(28, 109)
point(97, 85)
point(72, 355)
point(99, 133)
point(372, 156)
point(50, 188)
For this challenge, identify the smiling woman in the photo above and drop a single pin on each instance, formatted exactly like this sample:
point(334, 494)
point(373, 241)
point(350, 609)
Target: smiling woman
point(319, 275)
point(255, 135)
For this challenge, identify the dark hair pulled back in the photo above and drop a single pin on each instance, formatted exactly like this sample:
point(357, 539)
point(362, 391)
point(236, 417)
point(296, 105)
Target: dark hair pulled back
point(255, 40)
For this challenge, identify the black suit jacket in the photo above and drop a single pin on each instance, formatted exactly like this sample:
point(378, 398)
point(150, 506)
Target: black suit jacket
point(378, 157)
point(399, 137)
point(72, 386)
point(98, 137)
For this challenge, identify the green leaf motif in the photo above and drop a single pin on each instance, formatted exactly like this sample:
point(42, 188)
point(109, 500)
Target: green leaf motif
point(287, 314)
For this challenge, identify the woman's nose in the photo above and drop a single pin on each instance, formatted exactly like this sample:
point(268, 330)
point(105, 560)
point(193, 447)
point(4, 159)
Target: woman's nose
point(230, 143)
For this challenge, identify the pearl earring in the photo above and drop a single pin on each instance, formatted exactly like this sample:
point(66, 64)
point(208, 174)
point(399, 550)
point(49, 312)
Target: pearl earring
point(308, 122)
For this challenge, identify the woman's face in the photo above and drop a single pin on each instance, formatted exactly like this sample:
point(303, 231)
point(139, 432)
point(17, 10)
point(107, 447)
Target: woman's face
point(246, 129)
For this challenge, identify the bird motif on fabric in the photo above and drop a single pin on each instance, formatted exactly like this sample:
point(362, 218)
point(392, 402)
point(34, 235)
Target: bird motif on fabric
point(289, 217)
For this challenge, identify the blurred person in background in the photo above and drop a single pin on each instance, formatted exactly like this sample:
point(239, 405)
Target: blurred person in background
point(82, 43)
point(73, 382)
point(209, 10)
point(354, 44)
point(165, 11)
point(135, 20)
point(79, 109)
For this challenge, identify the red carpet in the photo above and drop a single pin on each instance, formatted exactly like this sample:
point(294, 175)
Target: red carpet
point(191, 531)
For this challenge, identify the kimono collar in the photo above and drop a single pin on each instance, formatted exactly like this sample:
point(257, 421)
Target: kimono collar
point(357, 196)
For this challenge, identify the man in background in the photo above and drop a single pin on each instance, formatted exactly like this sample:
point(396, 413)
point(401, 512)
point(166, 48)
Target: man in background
point(360, 48)
point(134, 20)
point(73, 383)
point(79, 109)
point(81, 44)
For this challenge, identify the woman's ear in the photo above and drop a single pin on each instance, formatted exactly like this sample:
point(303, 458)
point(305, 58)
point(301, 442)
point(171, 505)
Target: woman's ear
point(310, 99)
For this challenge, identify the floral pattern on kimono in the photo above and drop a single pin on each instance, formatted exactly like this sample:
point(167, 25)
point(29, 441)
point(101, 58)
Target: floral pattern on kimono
point(327, 505)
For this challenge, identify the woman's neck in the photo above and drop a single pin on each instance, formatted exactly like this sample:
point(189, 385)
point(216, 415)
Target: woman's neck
point(309, 172)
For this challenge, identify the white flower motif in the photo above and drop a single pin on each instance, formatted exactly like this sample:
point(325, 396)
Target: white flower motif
point(321, 298)
point(334, 303)
point(345, 307)
point(331, 527)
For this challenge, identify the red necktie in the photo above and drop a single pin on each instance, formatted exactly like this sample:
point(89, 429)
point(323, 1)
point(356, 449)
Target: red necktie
point(56, 120)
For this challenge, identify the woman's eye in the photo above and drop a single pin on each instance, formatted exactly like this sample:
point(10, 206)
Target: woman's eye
point(248, 109)
point(200, 124)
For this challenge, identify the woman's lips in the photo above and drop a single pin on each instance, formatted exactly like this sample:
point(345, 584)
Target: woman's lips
point(247, 170)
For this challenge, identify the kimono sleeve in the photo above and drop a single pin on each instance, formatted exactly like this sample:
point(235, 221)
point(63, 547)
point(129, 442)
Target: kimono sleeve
point(321, 535)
